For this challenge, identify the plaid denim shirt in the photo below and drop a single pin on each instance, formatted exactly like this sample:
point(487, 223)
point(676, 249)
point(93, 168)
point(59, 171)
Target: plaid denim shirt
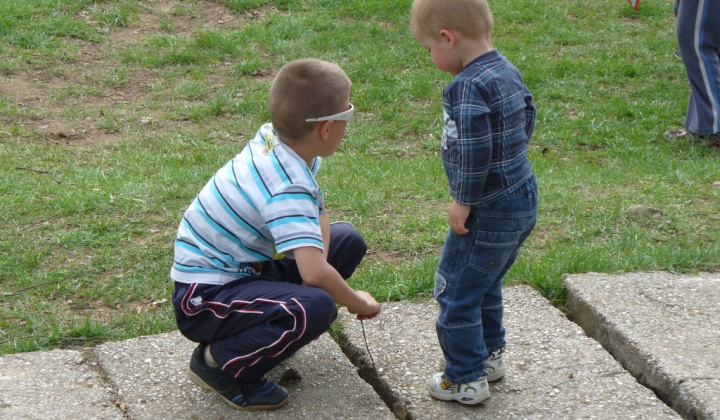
point(489, 119)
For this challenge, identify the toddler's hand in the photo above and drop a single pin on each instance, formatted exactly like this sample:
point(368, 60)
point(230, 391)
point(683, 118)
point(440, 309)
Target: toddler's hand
point(458, 215)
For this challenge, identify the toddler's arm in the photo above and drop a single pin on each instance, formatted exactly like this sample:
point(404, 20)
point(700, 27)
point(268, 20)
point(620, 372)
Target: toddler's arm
point(530, 113)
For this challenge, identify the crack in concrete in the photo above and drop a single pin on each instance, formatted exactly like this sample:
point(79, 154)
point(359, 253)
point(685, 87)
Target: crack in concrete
point(358, 357)
point(94, 364)
point(599, 328)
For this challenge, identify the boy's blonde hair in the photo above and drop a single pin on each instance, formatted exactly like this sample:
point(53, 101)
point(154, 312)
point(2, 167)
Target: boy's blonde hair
point(472, 18)
point(306, 88)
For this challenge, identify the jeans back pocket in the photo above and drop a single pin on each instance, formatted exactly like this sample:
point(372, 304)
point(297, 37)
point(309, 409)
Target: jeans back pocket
point(491, 250)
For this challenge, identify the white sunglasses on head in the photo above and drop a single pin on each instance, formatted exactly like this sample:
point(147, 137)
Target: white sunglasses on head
point(343, 116)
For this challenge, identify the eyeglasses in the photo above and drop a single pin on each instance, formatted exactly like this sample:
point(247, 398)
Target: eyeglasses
point(343, 116)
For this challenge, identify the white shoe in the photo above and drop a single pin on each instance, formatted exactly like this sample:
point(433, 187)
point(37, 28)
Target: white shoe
point(470, 393)
point(494, 366)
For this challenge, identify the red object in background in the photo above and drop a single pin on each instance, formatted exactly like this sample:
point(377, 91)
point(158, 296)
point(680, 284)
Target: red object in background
point(635, 4)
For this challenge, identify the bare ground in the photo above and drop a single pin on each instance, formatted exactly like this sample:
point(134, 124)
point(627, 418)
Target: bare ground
point(67, 102)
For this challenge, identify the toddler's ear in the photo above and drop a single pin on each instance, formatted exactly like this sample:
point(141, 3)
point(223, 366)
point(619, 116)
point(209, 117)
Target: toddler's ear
point(448, 36)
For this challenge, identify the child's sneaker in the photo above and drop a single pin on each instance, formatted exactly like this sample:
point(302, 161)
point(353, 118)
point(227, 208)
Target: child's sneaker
point(672, 135)
point(494, 366)
point(470, 393)
point(713, 141)
point(241, 395)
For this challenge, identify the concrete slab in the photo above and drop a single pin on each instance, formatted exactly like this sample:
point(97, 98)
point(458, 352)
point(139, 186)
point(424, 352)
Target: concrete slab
point(148, 374)
point(554, 369)
point(58, 384)
point(664, 328)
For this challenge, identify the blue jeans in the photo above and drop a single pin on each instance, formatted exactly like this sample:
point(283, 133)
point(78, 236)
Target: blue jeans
point(468, 281)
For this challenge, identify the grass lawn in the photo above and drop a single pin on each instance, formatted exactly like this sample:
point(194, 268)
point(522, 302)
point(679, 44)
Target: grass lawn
point(114, 113)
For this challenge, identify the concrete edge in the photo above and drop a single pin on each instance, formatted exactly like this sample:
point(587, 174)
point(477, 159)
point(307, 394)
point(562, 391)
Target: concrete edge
point(646, 369)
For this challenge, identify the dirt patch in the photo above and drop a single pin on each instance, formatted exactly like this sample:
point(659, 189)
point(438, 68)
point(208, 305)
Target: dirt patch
point(175, 17)
point(92, 98)
point(102, 313)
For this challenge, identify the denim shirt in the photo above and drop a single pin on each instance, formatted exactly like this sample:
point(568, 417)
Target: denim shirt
point(489, 118)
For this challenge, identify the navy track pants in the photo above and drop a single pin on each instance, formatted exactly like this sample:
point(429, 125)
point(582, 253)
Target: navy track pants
point(254, 324)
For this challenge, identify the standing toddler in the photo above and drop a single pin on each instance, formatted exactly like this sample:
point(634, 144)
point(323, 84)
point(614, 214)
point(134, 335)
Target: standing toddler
point(489, 118)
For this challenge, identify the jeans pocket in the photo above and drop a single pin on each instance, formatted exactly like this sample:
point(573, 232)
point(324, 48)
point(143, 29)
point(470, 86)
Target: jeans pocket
point(491, 250)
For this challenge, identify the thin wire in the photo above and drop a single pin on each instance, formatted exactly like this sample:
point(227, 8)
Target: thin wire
point(366, 344)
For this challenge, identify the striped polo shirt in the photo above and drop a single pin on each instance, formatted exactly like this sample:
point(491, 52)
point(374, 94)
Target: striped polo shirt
point(263, 203)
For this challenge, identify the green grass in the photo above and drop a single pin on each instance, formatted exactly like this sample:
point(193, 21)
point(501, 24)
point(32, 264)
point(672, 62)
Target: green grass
point(113, 115)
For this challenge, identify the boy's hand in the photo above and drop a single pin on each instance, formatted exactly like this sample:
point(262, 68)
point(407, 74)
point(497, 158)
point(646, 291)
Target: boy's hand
point(371, 310)
point(458, 215)
point(317, 272)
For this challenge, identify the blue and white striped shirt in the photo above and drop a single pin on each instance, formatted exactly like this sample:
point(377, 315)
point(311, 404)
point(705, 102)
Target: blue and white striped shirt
point(262, 203)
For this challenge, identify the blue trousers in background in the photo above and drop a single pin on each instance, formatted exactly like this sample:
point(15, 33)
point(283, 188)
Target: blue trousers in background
point(698, 35)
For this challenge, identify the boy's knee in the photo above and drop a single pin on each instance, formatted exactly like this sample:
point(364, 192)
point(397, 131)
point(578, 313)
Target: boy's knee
point(350, 238)
point(348, 248)
point(320, 311)
point(357, 241)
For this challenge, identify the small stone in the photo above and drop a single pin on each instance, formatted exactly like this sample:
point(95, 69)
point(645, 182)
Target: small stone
point(290, 375)
point(643, 212)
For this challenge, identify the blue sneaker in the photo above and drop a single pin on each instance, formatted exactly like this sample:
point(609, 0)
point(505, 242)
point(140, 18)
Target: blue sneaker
point(240, 395)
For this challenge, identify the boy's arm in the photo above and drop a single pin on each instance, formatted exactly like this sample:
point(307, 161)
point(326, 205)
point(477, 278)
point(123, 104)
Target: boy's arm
point(325, 230)
point(316, 271)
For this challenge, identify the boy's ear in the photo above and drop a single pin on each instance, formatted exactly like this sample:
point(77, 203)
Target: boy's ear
point(448, 36)
point(324, 128)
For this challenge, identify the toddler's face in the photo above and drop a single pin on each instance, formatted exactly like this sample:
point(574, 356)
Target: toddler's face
point(441, 50)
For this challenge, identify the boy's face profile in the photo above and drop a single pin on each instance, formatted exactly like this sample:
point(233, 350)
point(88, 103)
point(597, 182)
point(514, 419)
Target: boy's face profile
point(336, 129)
point(337, 133)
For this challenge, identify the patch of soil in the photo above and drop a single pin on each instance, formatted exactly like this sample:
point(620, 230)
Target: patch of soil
point(70, 103)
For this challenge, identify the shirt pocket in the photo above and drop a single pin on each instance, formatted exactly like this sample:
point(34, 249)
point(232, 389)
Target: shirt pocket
point(492, 250)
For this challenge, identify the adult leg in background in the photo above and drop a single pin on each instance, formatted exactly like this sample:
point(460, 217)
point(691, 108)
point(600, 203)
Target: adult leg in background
point(698, 35)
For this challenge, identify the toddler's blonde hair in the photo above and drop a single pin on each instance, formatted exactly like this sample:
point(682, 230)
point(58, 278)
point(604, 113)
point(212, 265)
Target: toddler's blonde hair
point(472, 18)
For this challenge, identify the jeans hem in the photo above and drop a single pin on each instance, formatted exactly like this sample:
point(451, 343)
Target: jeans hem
point(467, 378)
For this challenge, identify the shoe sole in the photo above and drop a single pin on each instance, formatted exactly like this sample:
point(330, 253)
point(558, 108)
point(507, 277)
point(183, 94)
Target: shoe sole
point(496, 376)
point(473, 398)
point(194, 378)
